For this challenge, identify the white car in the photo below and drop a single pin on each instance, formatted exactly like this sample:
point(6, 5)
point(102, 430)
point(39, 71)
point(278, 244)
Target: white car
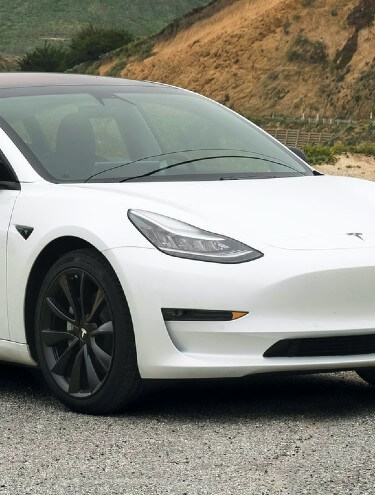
point(147, 232)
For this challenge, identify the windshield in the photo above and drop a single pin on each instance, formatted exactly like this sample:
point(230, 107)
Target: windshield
point(155, 133)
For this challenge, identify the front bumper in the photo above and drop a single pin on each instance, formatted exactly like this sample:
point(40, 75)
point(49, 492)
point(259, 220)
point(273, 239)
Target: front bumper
point(288, 294)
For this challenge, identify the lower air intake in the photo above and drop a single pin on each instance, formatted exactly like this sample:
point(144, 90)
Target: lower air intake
point(323, 346)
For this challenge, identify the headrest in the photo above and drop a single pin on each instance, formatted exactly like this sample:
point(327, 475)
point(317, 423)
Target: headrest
point(76, 136)
point(75, 147)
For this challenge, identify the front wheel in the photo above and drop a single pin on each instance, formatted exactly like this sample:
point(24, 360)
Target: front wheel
point(84, 335)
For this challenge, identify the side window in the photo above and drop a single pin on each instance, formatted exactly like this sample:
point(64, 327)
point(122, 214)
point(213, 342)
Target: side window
point(21, 130)
point(50, 120)
point(109, 142)
point(108, 139)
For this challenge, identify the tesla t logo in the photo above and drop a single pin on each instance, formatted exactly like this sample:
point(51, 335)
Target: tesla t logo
point(83, 333)
point(357, 234)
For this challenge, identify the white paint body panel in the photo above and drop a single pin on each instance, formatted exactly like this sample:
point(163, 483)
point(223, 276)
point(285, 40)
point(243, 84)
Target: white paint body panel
point(13, 352)
point(314, 279)
point(287, 294)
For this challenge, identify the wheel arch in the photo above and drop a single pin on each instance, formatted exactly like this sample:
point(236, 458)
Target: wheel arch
point(46, 258)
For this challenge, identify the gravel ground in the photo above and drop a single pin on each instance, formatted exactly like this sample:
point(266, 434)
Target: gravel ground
point(310, 434)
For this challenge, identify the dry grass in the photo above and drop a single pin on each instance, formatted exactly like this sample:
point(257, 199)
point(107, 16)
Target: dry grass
point(360, 166)
point(238, 54)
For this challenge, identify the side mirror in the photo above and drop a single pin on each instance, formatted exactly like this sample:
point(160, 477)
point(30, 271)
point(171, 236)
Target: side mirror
point(9, 185)
point(299, 153)
point(7, 179)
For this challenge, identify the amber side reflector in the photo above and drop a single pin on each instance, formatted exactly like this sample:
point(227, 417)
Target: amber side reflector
point(238, 314)
point(176, 314)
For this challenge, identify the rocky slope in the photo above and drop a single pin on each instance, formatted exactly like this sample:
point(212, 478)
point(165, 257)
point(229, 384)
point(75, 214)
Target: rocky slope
point(257, 56)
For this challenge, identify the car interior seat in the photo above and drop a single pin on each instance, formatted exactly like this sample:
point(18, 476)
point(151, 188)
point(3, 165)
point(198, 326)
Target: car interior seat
point(75, 155)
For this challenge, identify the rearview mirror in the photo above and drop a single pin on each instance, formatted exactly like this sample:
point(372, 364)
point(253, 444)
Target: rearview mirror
point(299, 153)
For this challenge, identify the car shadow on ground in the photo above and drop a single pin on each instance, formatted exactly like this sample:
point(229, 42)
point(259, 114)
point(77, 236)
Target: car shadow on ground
point(272, 396)
point(266, 396)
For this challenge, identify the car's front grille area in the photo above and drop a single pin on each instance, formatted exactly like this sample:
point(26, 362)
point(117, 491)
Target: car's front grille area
point(323, 346)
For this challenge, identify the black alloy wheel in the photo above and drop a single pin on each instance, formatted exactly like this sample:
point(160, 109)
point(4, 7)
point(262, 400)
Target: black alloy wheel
point(77, 332)
point(84, 335)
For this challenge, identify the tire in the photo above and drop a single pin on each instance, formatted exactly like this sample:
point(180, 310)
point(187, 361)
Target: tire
point(84, 335)
point(367, 374)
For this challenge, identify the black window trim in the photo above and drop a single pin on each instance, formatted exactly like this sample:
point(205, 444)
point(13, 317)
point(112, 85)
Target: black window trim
point(26, 151)
point(13, 183)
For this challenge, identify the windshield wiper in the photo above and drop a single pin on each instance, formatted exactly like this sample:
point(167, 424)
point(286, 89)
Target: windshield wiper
point(186, 162)
point(260, 175)
point(160, 155)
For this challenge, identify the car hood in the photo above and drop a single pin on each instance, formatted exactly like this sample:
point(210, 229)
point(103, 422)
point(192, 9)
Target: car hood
point(314, 212)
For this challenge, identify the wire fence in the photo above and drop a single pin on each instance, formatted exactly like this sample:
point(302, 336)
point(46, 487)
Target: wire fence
point(313, 120)
point(299, 138)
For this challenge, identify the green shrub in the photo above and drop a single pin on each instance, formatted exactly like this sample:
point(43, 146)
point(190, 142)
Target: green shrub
point(286, 26)
point(86, 46)
point(328, 155)
point(91, 42)
point(272, 76)
point(366, 149)
point(320, 154)
point(302, 49)
point(47, 58)
point(7, 65)
point(363, 149)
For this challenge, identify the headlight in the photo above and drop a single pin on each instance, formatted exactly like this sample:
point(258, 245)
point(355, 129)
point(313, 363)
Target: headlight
point(185, 241)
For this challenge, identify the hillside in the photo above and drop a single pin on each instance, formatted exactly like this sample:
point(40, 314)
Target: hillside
point(26, 23)
point(360, 166)
point(259, 57)
point(6, 65)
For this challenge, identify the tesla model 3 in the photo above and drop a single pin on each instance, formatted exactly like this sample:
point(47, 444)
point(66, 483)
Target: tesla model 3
point(147, 232)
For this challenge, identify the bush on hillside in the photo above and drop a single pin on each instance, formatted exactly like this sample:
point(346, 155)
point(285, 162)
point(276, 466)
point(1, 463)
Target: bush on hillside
point(320, 154)
point(87, 45)
point(47, 58)
point(91, 42)
point(302, 49)
point(6, 64)
point(367, 149)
